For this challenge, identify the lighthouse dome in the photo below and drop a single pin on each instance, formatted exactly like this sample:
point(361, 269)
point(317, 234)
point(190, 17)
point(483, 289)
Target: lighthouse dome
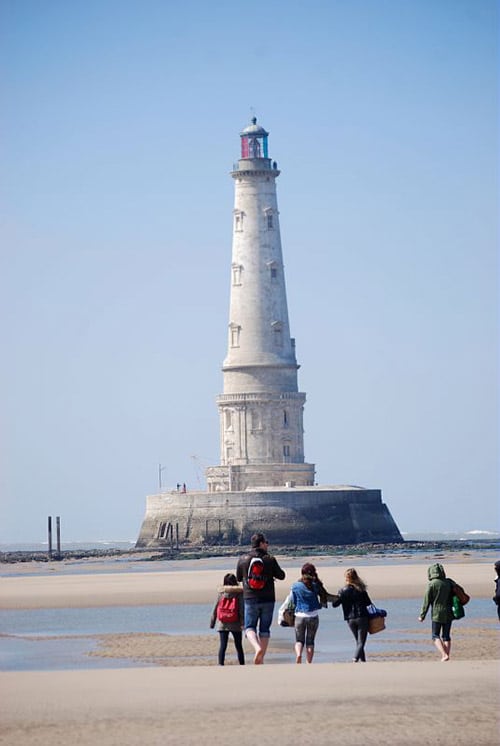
point(254, 129)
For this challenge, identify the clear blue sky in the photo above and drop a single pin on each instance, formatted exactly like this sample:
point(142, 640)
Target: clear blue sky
point(120, 123)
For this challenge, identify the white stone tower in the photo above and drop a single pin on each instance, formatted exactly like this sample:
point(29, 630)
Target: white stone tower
point(262, 482)
point(261, 409)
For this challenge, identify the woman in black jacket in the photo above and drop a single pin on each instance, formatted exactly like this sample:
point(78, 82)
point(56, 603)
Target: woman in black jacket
point(354, 600)
point(496, 597)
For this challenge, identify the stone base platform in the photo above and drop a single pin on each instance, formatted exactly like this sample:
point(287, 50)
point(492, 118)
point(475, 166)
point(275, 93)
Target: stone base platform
point(287, 515)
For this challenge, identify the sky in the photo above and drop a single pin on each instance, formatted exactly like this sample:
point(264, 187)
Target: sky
point(120, 124)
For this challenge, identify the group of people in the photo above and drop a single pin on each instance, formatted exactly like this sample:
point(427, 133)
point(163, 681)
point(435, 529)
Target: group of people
point(250, 606)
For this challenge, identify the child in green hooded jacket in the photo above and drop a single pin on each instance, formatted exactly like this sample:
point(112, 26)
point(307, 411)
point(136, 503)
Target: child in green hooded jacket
point(439, 597)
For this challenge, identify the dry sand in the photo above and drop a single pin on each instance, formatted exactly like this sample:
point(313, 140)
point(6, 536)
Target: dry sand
point(388, 703)
point(182, 700)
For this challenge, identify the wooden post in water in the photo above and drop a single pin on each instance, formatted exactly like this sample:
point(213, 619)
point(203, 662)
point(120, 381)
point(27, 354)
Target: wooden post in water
point(49, 527)
point(58, 535)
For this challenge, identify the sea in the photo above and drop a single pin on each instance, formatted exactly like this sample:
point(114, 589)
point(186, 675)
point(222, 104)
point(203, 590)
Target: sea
point(474, 535)
point(63, 639)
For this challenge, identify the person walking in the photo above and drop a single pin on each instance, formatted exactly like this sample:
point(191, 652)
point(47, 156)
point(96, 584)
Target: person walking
point(258, 570)
point(308, 596)
point(496, 597)
point(228, 614)
point(354, 599)
point(438, 596)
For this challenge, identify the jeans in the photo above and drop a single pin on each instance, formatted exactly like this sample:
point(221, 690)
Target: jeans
point(359, 628)
point(223, 640)
point(305, 630)
point(441, 630)
point(258, 616)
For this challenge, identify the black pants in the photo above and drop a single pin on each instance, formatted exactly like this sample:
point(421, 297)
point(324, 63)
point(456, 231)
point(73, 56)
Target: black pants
point(223, 640)
point(359, 628)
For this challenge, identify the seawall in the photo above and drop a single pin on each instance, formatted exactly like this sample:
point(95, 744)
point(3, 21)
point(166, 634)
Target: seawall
point(305, 515)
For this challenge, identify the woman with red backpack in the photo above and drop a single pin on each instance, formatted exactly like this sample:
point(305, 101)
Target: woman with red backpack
point(228, 614)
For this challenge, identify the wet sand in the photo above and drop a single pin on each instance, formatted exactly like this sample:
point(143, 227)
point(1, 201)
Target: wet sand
point(62, 590)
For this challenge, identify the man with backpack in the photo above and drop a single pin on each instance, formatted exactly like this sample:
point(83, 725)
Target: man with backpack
point(257, 570)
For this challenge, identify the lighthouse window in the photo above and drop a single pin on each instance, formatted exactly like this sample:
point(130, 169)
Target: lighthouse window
point(238, 221)
point(235, 335)
point(278, 334)
point(228, 419)
point(254, 148)
point(285, 418)
point(236, 274)
point(286, 451)
point(273, 270)
point(269, 218)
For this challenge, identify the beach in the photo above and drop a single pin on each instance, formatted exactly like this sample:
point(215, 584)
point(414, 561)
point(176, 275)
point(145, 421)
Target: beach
point(178, 695)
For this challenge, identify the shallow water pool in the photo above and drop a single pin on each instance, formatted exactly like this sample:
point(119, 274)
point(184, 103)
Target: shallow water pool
point(57, 639)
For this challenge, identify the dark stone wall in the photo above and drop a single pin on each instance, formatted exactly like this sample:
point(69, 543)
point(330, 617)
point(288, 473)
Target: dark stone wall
point(288, 516)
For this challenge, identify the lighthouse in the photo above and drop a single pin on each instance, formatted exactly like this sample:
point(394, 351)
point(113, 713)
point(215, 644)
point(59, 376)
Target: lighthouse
point(262, 482)
point(261, 409)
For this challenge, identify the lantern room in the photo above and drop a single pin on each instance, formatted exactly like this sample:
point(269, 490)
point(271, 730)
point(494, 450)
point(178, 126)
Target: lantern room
point(254, 141)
